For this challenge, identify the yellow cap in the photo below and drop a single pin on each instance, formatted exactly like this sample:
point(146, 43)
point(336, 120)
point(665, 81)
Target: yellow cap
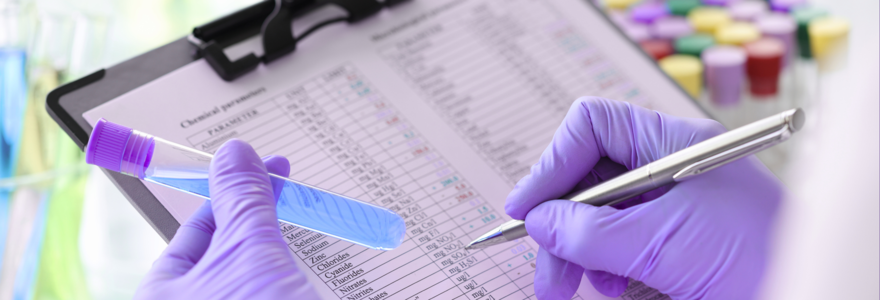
point(708, 19)
point(619, 4)
point(827, 35)
point(738, 33)
point(686, 70)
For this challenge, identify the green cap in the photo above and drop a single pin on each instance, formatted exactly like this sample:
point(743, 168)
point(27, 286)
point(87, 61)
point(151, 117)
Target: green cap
point(803, 16)
point(682, 7)
point(693, 44)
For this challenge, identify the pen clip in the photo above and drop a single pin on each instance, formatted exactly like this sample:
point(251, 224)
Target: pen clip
point(734, 153)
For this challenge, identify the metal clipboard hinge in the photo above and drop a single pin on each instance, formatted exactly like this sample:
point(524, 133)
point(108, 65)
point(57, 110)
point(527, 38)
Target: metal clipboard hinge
point(273, 19)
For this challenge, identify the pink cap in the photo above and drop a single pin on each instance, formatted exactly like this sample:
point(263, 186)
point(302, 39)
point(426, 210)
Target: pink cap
point(670, 28)
point(747, 11)
point(119, 148)
point(636, 32)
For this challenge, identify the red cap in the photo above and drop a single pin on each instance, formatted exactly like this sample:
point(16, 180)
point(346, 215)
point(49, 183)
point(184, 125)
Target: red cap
point(657, 48)
point(763, 65)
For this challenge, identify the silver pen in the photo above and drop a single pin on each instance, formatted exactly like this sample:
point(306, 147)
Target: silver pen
point(676, 167)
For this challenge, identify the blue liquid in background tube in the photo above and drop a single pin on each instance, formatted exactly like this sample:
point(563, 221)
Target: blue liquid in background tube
point(153, 159)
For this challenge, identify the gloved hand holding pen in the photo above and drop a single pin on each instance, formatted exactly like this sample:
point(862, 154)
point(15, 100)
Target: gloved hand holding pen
point(705, 238)
point(231, 247)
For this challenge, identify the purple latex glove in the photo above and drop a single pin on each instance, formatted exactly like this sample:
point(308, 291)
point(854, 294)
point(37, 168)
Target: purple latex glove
point(704, 238)
point(231, 248)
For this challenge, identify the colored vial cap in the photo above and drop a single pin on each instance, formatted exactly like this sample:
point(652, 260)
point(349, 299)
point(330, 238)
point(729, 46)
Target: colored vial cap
point(671, 28)
point(686, 70)
point(737, 34)
point(803, 16)
point(763, 64)
point(657, 49)
point(682, 7)
point(708, 19)
point(747, 11)
point(693, 44)
point(619, 4)
point(725, 70)
point(636, 31)
point(780, 26)
point(649, 12)
point(118, 148)
point(619, 17)
point(786, 5)
point(828, 35)
point(719, 2)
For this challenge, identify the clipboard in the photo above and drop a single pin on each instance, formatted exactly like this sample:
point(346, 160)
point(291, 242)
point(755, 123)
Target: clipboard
point(270, 18)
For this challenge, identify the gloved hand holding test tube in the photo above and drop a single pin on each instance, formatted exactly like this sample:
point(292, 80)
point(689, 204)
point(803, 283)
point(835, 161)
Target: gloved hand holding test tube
point(134, 153)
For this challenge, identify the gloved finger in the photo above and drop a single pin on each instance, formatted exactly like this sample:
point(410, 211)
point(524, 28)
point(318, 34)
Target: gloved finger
point(188, 244)
point(278, 165)
point(606, 283)
point(555, 278)
point(594, 127)
point(621, 242)
point(606, 169)
point(241, 192)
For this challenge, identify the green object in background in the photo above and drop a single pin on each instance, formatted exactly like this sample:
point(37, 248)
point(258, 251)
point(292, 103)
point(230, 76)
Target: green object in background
point(693, 44)
point(60, 274)
point(682, 7)
point(803, 16)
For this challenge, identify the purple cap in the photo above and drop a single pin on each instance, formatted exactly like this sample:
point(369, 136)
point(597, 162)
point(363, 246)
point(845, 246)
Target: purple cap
point(637, 32)
point(670, 28)
point(725, 70)
point(782, 27)
point(786, 5)
point(648, 12)
point(719, 2)
point(747, 11)
point(119, 148)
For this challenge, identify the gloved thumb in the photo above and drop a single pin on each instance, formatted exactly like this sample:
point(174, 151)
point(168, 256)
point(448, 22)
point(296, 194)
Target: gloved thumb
point(242, 195)
point(620, 242)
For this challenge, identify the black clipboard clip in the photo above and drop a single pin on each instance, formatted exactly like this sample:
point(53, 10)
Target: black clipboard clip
point(272, 20)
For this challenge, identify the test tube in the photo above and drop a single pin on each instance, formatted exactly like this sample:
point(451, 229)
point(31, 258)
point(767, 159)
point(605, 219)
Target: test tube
point(725, 71)
point(828, 42)
point(134, 153)
point(686, 70)
point(803, 16)
point(782, 27)
point(763, 67)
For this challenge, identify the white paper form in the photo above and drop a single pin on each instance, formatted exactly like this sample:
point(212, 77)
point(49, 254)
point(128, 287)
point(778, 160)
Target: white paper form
point(433, 109)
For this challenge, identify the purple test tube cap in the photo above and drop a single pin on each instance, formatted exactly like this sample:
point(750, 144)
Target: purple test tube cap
point(117, 148)
point(648, 12)
point(670, 28)
point(786, 5)
point(725, 71)
point(719, 2)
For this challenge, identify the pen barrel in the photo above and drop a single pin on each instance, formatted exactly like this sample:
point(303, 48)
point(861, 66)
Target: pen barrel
point(701, 157)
